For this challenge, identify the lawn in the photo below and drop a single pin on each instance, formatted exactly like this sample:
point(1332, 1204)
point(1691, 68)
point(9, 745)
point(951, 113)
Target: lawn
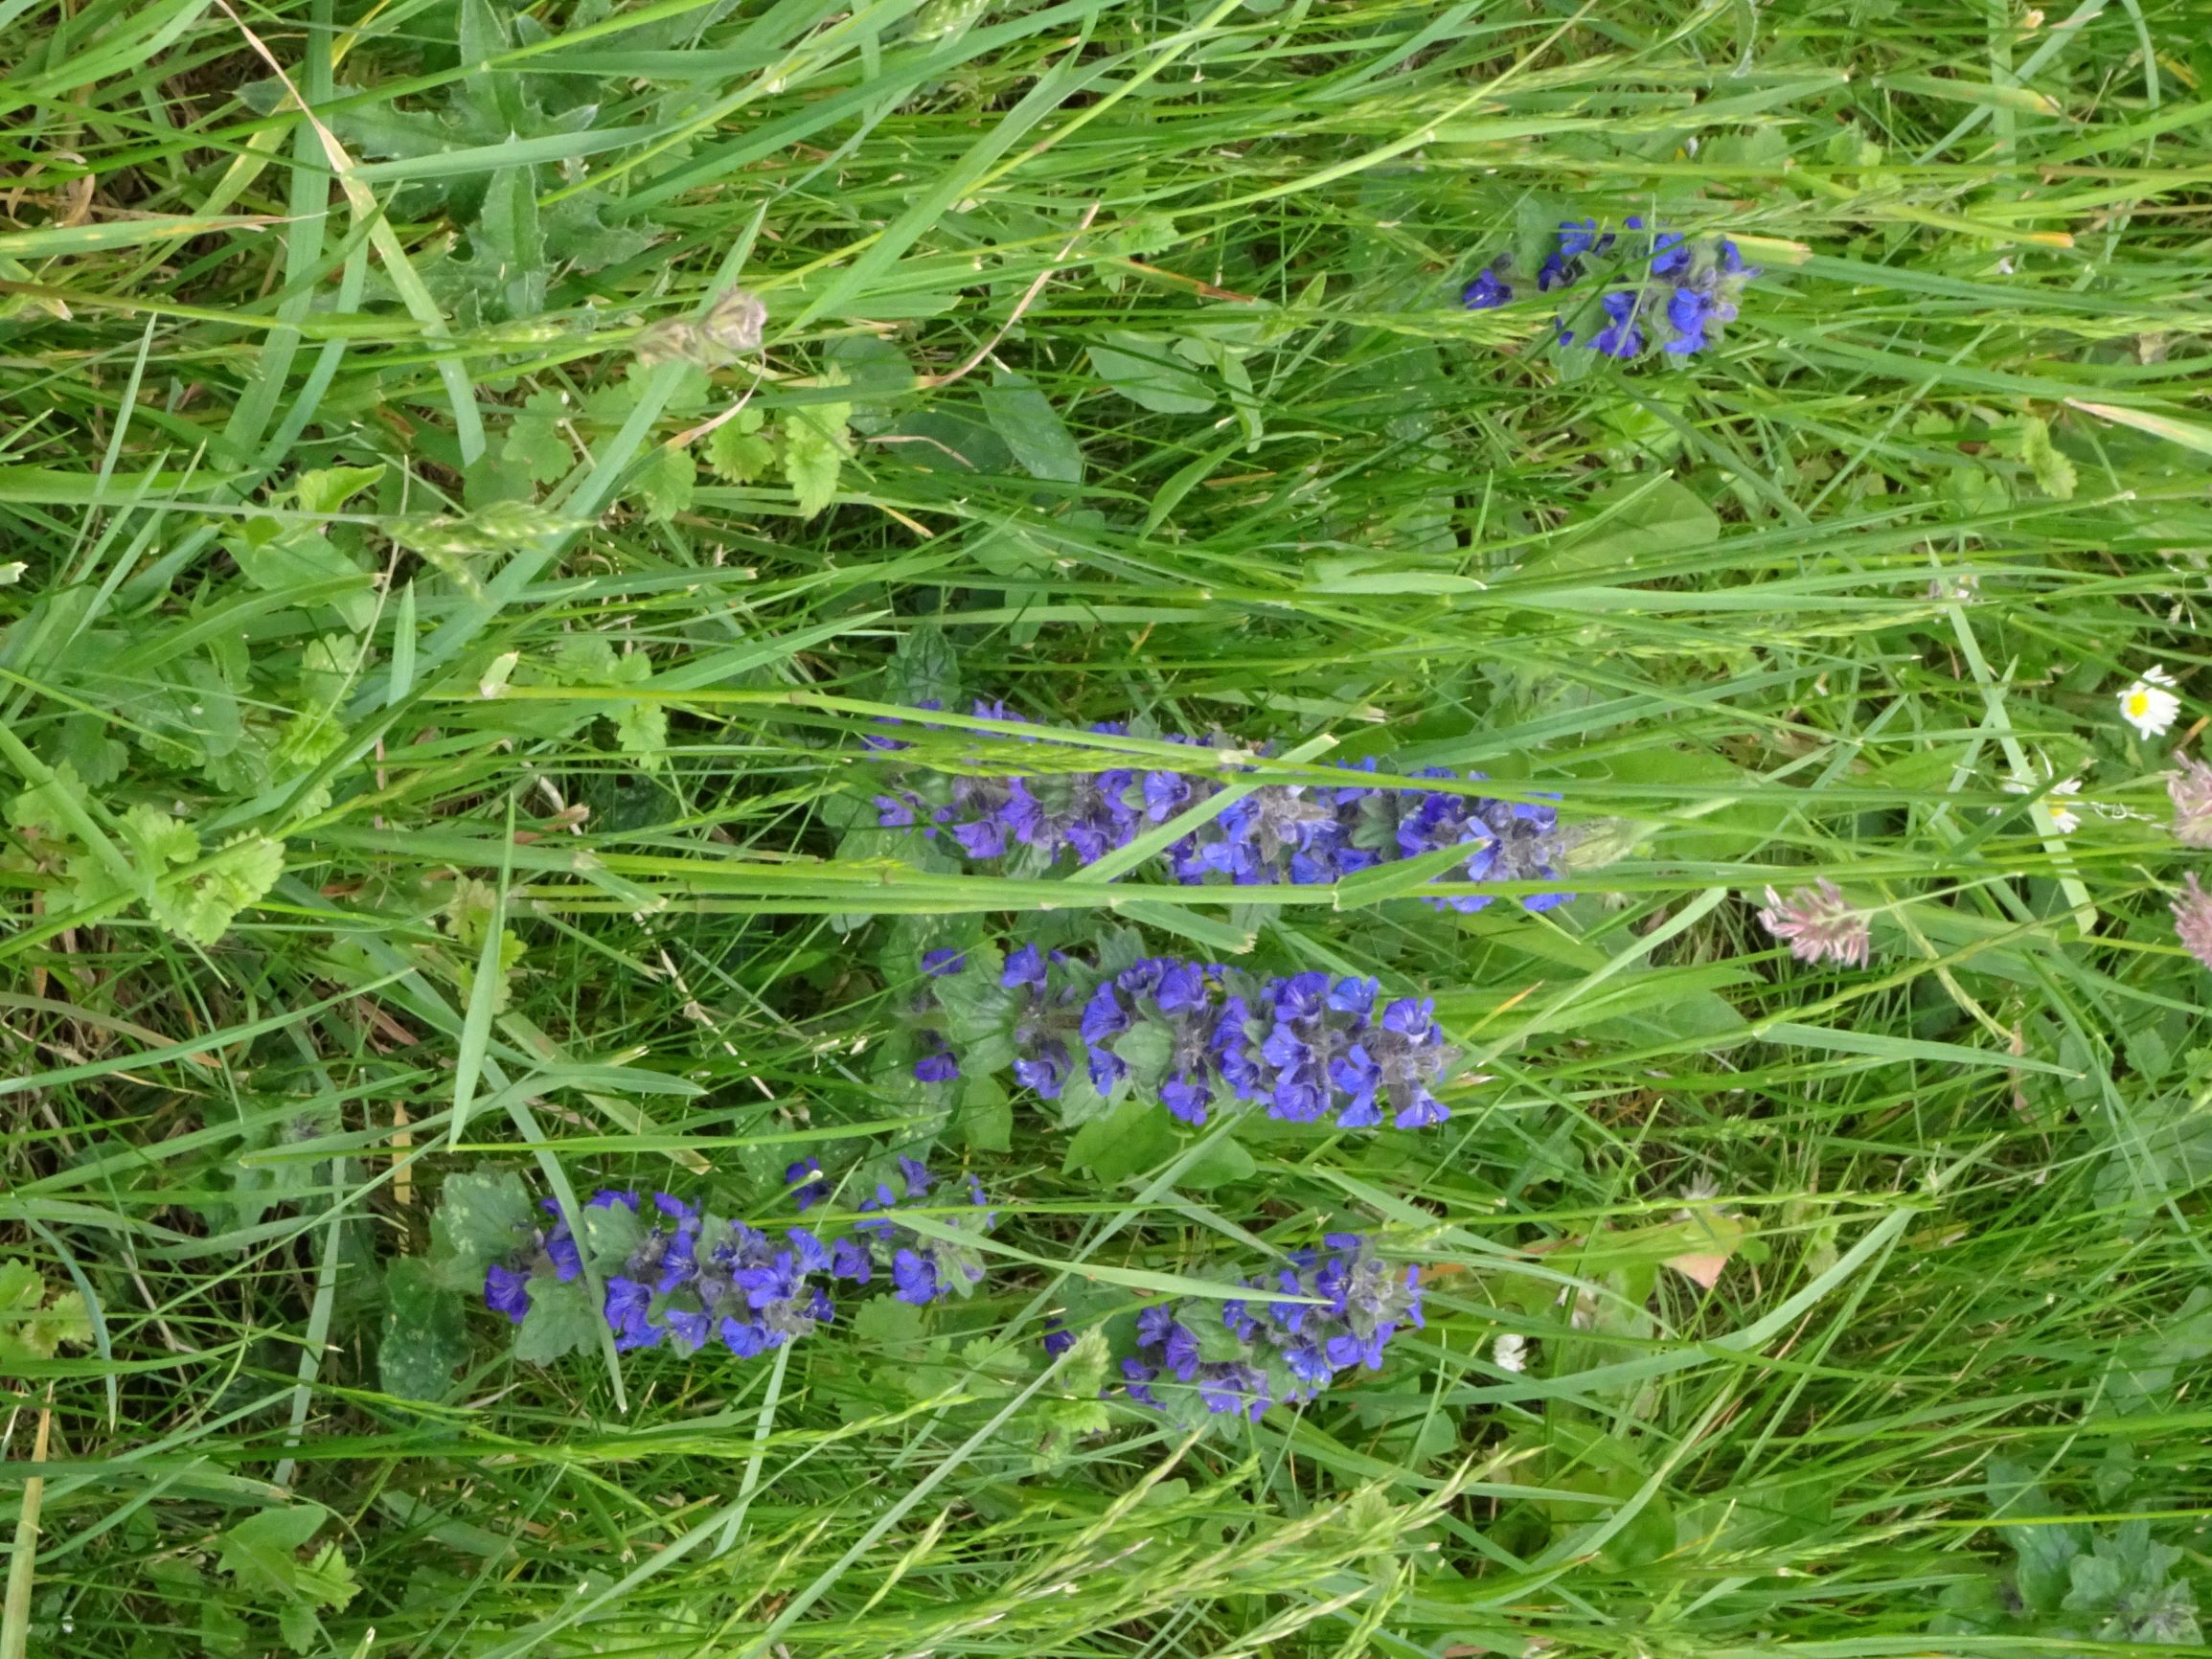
point(1302, 828)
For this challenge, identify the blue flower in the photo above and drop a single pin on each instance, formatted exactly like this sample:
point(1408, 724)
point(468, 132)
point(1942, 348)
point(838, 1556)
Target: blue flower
point(1136, 1373)
point(1353, 995)
point(893, 813)
point(1688, 312)
point(1309, 1364)
point(745, 1338)
point(1485, 292)
point(1165, 794)
point(1236, 1316)
point(1410, 1017)
point(625, 1312)
point(507, 1290)
point(1182, 987)
point(813, 1256)
point(1301, 996)
point(1579, 236)
point(849, 1259)
point(1356, 1075)
point(985, 838)
point(1102, 1016)
point(1181, 1347)
point(1024, 967)
point(690, 1327)
point(802, 1177)
point(1106, 1069)
point(915, 1276)
point(1621, 337)
point(937, 964)
point(1233, 1387)
point(1186, 1096)
point(1423, 1111)
point(1057, 1339)
point(776, 1280)
point(1045, 1072)
point(940, 1067)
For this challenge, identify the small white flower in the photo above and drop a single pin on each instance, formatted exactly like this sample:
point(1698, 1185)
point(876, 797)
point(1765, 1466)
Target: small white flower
point(1509, 1353)
point(2150, 704)
point(2063, 815)
point(2061, 811)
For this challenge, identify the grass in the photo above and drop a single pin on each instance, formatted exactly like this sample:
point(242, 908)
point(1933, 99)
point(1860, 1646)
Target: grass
point(546, 669)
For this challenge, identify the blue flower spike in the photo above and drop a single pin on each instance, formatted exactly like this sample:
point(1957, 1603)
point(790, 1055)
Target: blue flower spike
point(1350, 1302)
point(1688, 288)
point(1308, 1048)
point(1301, 833)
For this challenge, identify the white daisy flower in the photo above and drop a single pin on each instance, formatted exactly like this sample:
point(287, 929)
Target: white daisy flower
point(2150, 704)
point(2061, 809)
point(1509, 1353)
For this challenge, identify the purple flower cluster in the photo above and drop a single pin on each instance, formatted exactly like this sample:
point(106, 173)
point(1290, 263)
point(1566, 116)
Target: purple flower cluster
point(549, 1252)
point(1305, 1047)
point(1264, 1351)
point(923, 1268)
point(1307, 833)
point(676, 1275)
point(1691, 288)
point(689, 1278)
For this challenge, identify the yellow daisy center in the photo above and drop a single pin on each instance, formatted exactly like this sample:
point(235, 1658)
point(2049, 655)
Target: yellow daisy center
point(2138, 702)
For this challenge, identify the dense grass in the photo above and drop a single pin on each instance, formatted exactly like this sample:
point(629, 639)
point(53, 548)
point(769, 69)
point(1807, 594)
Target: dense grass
point(1797, 606)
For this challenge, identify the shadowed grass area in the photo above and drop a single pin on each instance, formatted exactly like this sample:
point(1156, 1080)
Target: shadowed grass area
point(445, 665)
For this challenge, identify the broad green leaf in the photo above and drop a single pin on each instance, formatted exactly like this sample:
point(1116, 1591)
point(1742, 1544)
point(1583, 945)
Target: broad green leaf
point(509, 239)
point(286, 558)
point(2043, 1546)
point(1134, 1136)
point(925, 668)
point(1635, 524)
point(611, 1233)
point(641, 724)
point(201, 907)
point(30, 1327)
point(43, 808)
point(885, 1323)
point(1080, 1101)
point(1219, 1163)
point(1145, 371)
point(662, 485)
point(261, 1552)
point(736, 451)
point(975, 1004)
point(561, 1321)
point(536, 447)
point(328, 488)
point(297, 1623)
point(482, 1216)
point(425, 1336)
point(1032, 428)
point(2055, 475)
point(328, 1580)
point(815, 445)
point(1147, 1047)
point(985, 1121)
point(2146, 1365)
